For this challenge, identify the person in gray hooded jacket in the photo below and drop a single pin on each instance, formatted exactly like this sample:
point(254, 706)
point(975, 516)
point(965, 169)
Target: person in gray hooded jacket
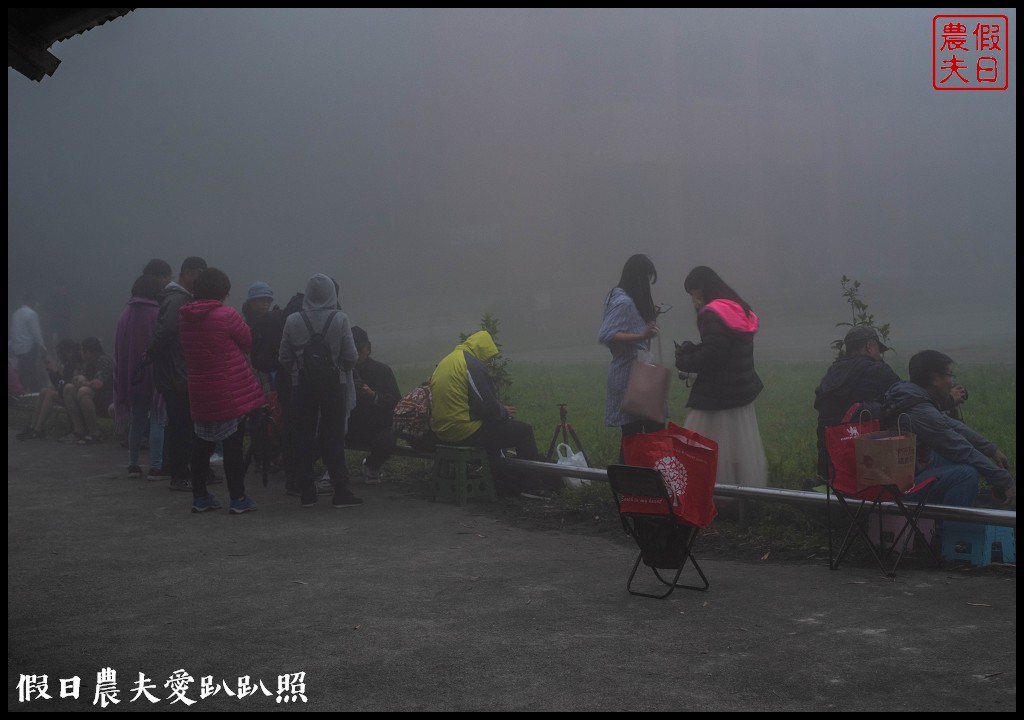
point(321, 414)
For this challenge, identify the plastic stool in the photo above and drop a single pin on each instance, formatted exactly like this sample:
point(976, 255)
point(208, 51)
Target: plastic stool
point(974, 542)
point(461, 473)
point(892, 525)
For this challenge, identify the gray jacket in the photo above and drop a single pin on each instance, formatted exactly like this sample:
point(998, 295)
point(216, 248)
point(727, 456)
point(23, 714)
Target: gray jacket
point(320, 300)
point(938, 433)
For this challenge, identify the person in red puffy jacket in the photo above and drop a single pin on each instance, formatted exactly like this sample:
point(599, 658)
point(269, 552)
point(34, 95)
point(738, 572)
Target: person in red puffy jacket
point(222, 389)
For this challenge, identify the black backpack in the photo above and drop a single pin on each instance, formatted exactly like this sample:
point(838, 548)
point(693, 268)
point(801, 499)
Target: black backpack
point(319, 370)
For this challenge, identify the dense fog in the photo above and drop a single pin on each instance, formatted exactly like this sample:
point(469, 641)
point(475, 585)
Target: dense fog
point(441, 164)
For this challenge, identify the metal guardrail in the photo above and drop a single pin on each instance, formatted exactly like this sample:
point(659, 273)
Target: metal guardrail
point(1005, 518)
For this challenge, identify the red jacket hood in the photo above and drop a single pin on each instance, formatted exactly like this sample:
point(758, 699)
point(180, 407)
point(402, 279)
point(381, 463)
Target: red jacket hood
point(732, 315)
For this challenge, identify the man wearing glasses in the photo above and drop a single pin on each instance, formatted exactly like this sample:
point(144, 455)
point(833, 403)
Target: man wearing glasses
point(946, 448)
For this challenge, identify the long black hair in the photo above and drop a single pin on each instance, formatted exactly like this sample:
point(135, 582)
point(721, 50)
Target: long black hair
point(638, 274)
point(712, 287)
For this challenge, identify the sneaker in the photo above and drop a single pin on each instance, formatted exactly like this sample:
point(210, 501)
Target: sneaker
point(158, 474)
point(28, 434)
point(290, 488)
point(207, 503)
point(180, 484)
point(345, 498)
point(373, 477)
point(324, 487)
point(309, 501)
point(134, 471)
point(213, 478)
point(243, 505)
point(216, 459)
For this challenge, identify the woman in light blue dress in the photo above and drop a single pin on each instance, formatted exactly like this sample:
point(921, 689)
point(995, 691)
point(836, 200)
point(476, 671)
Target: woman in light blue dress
point(627, 329)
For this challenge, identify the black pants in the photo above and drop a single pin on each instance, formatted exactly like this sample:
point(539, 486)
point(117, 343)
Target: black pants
point(495, 437)
point(319, 422)
point(379, 441)
point(178, 434)
point(234, 464)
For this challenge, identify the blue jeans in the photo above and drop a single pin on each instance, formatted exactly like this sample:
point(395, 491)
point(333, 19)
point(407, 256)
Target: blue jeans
point(954, 484)
point(141, 419)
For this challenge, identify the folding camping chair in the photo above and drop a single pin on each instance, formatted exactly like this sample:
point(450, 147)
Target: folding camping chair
point(665, 540)
point(859, 504)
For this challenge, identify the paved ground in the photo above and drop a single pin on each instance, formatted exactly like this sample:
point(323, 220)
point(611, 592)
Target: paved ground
point(407, 605)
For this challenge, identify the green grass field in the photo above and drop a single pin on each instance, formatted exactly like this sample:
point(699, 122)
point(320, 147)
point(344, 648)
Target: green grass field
point(785, 409)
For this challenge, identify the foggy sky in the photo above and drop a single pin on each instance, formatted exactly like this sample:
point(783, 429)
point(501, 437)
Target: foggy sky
point(445, 163)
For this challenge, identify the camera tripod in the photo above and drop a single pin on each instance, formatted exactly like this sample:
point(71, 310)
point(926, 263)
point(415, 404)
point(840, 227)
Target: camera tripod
point(566, 429)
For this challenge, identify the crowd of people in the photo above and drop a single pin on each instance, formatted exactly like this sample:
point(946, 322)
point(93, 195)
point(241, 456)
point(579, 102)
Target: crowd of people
point(191, 376)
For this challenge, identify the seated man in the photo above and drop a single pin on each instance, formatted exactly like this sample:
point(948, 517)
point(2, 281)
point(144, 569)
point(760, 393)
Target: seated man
point(90, 394)
point(946, 448)
point(62, 371)
point(466, 410)
point(859, 375)
point(377, 393)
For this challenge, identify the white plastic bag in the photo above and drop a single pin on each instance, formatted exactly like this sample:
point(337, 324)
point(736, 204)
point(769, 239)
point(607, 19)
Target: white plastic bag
point(570, 459)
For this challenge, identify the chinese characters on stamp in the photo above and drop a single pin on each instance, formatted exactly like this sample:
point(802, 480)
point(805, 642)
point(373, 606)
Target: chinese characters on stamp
point(970, 52)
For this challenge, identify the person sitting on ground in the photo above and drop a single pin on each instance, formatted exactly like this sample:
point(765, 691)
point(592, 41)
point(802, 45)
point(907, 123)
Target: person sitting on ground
point(138, 406)
point(62, 371)
point(946, 448)
point(221, 387)
point(377, 393)
point(858, 375)
point(465, 410)
point(90, 394)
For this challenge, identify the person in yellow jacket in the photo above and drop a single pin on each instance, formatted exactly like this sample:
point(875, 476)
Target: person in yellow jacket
point(465, 409)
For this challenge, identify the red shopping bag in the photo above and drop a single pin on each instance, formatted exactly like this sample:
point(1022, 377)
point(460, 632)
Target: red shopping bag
point(841, 446)
point(689, 463)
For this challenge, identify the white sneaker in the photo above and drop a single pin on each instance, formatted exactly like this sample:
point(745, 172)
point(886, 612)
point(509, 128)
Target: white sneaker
point(324, 487)
point(372, 478)
point(216, 459)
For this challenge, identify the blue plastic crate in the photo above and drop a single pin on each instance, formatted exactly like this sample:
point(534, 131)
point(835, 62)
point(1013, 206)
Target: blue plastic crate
point(975, 543)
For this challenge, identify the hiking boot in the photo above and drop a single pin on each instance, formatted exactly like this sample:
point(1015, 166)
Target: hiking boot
point(180, 484)
point(373, 477)
point(134, 471)
point(158, 474)
point(207, 503)
point(242, 505)
point(344, 498)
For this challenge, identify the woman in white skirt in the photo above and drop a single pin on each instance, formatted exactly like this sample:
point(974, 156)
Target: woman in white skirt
point(722, 397)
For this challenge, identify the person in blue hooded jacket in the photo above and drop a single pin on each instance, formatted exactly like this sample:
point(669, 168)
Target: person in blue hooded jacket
point(722, 397)
point(946, 448)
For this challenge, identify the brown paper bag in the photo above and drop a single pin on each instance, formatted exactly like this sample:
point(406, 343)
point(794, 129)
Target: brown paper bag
point(647, 391)
point(886, 458)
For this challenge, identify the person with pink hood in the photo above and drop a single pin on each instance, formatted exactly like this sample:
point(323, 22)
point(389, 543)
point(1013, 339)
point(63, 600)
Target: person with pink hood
point(222, 389)
point(722, 397)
